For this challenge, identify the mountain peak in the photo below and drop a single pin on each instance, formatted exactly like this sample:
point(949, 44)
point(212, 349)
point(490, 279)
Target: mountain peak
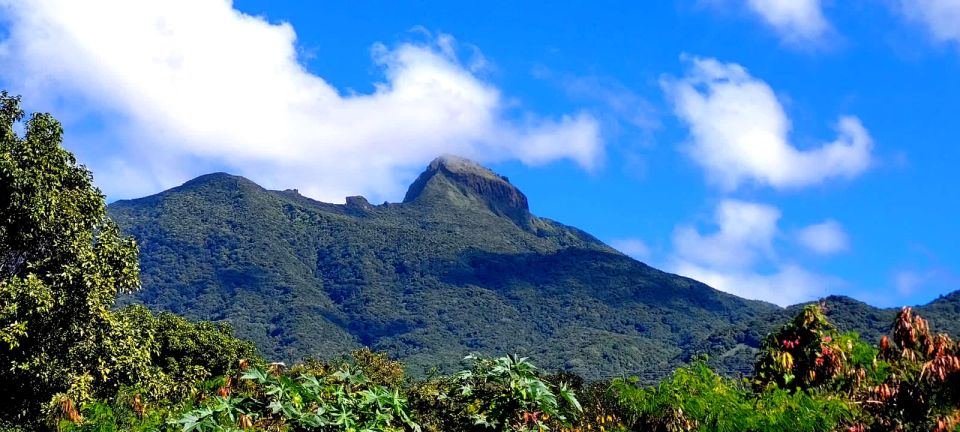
point(452, 176)
point(460, 165)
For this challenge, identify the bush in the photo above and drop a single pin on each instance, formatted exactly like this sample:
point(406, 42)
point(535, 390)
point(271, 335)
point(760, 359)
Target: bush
point(495, 394)
point(376, 366)
point(696, 398)
point(271, 400)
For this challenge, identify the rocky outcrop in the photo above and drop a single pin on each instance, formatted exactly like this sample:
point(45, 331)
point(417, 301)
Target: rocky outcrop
point(473, 180)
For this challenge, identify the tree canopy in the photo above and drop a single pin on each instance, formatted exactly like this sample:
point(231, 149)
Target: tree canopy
point(62, 264)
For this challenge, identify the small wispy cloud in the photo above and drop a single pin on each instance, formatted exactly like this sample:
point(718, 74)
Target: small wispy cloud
point(739, 131)
point(826, 238)
point(908, 281)
point(796, 21)
point(740, 256)
point(799, 24)
point(941, 18)
point(608, 95)
point(926, 275)
point(632, 247)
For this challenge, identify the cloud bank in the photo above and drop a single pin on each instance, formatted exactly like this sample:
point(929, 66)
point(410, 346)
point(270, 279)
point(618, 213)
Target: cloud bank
point(740, 133)
point(183, 85)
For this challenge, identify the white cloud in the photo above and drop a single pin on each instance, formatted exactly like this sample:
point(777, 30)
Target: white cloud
point(183, 85)
point(635, 248)
point(924, 281)
point(788, 285)
point(797, 21)
point(740, 257)
point(740, 132)
point(615, 97)
point(825, 238)
point(746, 233)
point(907, 281)
point(941, 17)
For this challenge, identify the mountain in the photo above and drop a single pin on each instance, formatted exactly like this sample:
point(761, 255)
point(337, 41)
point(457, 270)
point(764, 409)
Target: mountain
point(460, 266)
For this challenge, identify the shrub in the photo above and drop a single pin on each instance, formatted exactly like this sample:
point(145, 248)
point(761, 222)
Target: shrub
point(376, 366)
point(271, 400)
point(694, 398)
point(922, 389)
point(498, 394)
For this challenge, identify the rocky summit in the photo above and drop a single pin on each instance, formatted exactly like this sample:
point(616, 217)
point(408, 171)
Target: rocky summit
point(452, 177)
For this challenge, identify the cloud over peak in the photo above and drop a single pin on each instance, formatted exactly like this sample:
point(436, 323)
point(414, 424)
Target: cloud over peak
point(739, 132)
point(198, 83)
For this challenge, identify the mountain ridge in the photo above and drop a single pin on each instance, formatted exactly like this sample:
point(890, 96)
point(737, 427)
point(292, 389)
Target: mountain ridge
point(461, 265)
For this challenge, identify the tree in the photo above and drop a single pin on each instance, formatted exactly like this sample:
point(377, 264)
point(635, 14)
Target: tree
point(921, 391)
point(807, 352)
point(62, 264)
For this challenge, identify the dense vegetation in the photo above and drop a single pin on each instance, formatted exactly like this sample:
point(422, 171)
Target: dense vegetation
point(460, 266)
point(71, 361)
point(62, 265)
point(427, 281)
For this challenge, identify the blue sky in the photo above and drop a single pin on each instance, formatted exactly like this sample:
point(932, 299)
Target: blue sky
point(780, 150)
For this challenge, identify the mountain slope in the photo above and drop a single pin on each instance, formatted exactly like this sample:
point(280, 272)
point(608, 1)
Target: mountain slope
point(460, 266)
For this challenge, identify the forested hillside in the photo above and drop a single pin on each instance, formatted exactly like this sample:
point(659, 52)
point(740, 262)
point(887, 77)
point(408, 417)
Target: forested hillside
point(459, 266)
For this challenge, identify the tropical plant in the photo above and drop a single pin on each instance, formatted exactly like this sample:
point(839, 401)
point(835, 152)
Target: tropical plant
point(184, 354)
point(500, 394)
point(378, 367)
point(600, 405)
point(805, 353)
point(344, 400)
point(127, 411)
point(66, 353)
point(922, 389)
point(695, 398)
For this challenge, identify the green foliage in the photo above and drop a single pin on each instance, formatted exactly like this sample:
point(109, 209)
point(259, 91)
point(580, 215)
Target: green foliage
point(810, 378)
point(65, 352)
point(62, 263)
point(805, 353)
point(125, 411)
point(601, 410)
point(183, 353)
point(499, 394)
point(696, 398)
point(921, 390)
point(378, 367)
point(270, 400)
